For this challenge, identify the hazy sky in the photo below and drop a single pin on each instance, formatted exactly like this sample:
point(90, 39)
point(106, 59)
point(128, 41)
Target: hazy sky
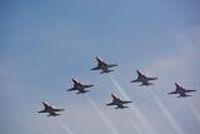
point(45, 43)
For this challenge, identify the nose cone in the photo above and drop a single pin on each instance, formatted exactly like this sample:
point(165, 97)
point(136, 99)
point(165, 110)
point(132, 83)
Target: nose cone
point(138, 72)
point(75, 80)
point(176, 84)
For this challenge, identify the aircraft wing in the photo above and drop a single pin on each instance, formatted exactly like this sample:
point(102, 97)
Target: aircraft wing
point(174, 92)
point(135, 81)
point(71, 89)
point(42, 111)
point(187, 91)
point(95, 68)
point(125, 102)
point(110, 104)
point(83, 91)
point(152, 78)
point(106, 71)
point(112, 65)
point(53, 114)
point(58, 110)
point(87, 86)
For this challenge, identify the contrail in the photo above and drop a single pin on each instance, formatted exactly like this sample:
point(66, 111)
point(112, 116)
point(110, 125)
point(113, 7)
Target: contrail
point(167, 114)
point(139, 130)
point(136, 111)
point(66, 128)
point(103, 116)
point(195, 112)
point(63, 124)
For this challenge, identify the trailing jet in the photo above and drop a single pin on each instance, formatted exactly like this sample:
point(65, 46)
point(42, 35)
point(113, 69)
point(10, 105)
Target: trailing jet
point(180, 90)
point(143, 79)
point(102, 65)
point(50, 109)
point(118, 102)
point(79, 87)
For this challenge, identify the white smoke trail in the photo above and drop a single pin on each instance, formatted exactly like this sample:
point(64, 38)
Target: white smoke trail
point(195, 112)
point(136, 110)
point(103, 116)
point(167, 114)
point(66, 128)
point(63, 124)
point(135, 126)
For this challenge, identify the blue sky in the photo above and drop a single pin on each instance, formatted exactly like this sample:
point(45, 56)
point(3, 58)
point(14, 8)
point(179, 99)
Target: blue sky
point(45, 43)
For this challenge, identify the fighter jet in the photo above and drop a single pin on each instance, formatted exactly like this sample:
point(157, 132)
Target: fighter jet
point(79, 87)
point(50, 109)
point(182, 91)
point(143, 79)
point(102, 65)
point(118, 102)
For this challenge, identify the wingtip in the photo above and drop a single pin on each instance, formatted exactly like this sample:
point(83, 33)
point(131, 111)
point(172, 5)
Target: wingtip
point(169, 93)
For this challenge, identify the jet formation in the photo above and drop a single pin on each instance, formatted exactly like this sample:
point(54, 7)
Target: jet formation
point(116, 101)
point(181, 91)
point(50, 110)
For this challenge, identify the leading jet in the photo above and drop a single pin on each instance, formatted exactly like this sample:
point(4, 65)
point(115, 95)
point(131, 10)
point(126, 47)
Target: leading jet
point(78, 86)
point(118, 102)
point(50, 109)
point(102, 65)
point(143, 79)
point(181, 91)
